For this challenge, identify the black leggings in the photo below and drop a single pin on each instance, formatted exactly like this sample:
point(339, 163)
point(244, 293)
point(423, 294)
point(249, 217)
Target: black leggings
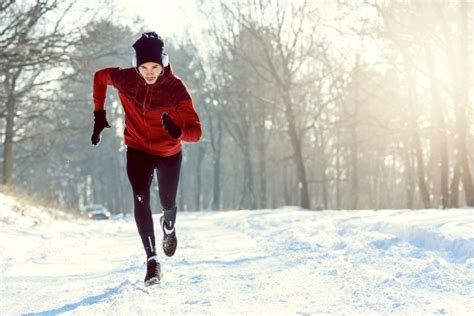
point(140, 169)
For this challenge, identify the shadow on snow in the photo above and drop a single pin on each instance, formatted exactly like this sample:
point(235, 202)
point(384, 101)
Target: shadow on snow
point(91, 300)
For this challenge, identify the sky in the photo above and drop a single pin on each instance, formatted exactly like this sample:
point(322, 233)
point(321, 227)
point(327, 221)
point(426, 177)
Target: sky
point(168, 18)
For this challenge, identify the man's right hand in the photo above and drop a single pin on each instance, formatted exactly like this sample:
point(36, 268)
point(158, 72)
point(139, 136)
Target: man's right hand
point(100, 122)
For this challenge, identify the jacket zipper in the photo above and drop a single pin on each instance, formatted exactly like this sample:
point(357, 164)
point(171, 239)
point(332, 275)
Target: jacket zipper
point(144, 118)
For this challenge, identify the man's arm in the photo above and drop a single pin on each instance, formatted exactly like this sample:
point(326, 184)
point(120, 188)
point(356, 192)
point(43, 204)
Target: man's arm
point(102, 78)
point(191, 131)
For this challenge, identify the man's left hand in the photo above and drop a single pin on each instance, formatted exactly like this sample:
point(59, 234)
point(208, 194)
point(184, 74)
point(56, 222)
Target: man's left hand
point(168, 124)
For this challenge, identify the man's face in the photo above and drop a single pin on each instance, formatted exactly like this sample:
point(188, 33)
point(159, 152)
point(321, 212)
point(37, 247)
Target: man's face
point(150, 71)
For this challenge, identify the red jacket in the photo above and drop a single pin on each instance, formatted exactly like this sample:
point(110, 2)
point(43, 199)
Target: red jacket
point(143, 105)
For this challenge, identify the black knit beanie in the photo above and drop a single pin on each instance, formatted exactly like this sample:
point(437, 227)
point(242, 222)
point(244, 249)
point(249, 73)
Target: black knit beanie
point(149, 48)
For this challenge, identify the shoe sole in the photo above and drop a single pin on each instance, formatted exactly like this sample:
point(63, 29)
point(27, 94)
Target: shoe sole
point(152, 281)
point(162, 219)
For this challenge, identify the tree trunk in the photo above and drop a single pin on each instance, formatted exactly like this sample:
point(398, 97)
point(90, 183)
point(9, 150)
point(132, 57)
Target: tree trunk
point(464, 72)
point(454, 194)
point(410, 178)
point(439, 133)
point(9, 85)
point(248, 197)
point(111, 188)
point(420, 168)
point(322, 168)
point(297, 153)
point(84, 191)
point(415, 138)
point(123, 183)
point(324, 188)
point(374, 185)
point(286, 180)
point(216, 193)
point(354, 197)
point(8, 143)
point(338, 180)
point(262, 174)
point(216, 188)
point(200, 157)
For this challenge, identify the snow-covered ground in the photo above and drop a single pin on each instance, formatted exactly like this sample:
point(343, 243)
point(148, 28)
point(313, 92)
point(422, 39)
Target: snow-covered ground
point(284, 261)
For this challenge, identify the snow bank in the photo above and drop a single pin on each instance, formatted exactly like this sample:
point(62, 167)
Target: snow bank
point(19, 212)
point(448, 231)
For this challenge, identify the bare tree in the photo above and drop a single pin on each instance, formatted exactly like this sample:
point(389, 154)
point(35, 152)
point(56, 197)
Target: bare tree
point(29, 50)
point(286, 37)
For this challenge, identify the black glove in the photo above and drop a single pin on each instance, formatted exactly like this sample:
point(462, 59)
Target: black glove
point(100, 122)
point(168, 124)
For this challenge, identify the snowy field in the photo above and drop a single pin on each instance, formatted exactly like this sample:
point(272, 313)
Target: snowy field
point(284, 261)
